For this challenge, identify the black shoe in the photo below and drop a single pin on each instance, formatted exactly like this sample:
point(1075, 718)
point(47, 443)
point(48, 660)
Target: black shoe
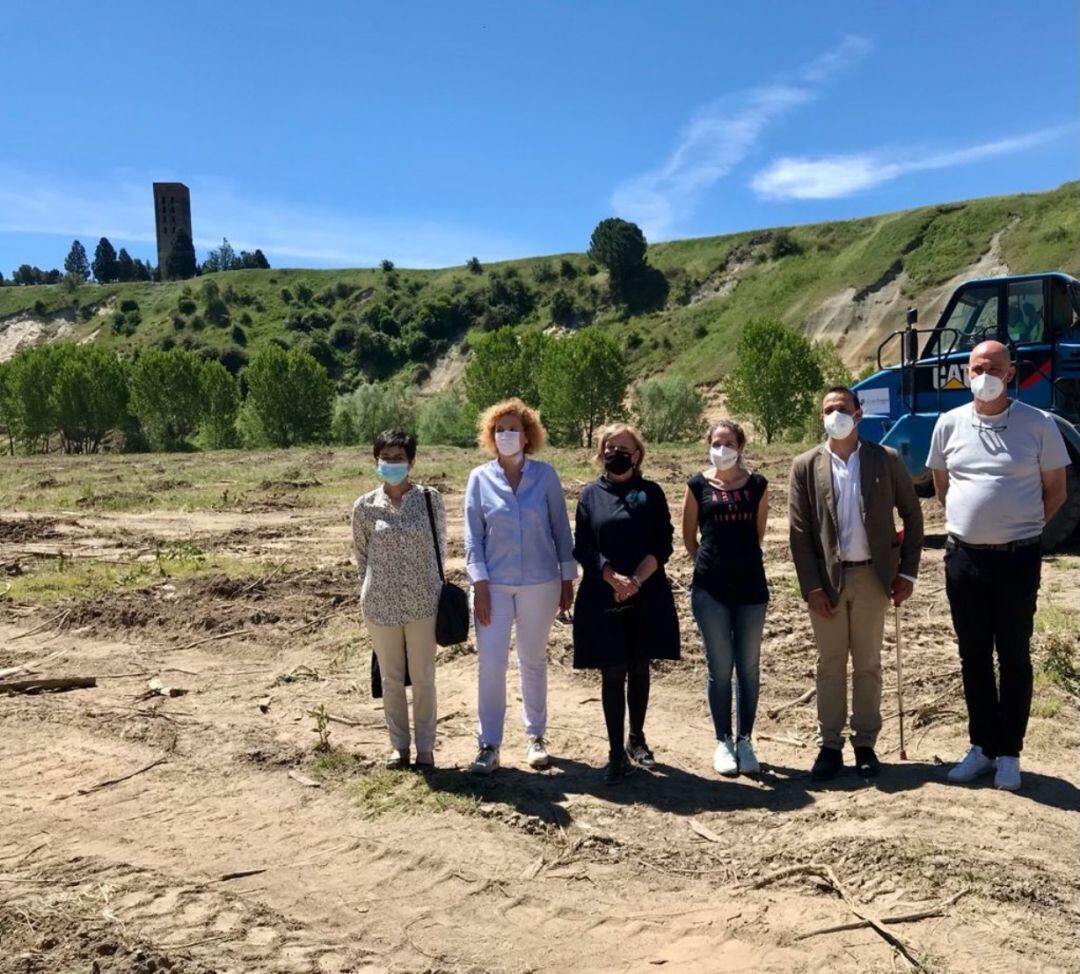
point(640, 753)
point(618, 767)
point(866, 762)
point(828, 764)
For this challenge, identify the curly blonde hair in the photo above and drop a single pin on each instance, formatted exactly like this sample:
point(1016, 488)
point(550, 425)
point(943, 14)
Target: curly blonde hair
point(614, 430)
point(535, 434)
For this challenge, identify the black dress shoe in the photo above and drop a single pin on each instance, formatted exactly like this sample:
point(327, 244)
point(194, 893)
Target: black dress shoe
point(828, 764)
point(618, 767)
point(866, 762)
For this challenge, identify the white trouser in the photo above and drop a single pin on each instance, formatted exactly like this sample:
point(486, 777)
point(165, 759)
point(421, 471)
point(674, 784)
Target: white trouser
point(393, 644)
point(530, 611)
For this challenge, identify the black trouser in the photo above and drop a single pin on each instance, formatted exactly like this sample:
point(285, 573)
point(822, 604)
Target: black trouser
point(993, 595)
point(626, 687)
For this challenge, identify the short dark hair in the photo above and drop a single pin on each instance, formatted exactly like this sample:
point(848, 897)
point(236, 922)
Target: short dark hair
point(400, 438)
point(850, 392)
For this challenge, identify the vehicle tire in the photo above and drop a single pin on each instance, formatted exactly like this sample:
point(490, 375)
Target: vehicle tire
point(1064, 523)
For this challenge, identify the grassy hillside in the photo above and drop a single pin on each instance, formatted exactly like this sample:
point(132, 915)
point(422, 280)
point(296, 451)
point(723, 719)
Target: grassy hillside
point(367, 322)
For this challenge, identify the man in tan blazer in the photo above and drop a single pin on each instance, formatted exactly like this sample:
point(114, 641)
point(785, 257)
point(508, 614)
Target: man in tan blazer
point(850, 563)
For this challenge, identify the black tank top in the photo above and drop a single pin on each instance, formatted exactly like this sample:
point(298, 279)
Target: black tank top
point(729, 565)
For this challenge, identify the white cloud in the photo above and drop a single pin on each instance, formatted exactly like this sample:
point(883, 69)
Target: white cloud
point(123, 210)
point(717, 138)
point(830, 177)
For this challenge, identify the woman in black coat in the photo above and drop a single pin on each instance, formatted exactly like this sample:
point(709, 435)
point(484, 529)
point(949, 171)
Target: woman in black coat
point(624, 615)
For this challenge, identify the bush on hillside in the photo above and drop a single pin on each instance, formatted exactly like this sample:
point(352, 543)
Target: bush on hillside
point(582, 385)
point(371, 408)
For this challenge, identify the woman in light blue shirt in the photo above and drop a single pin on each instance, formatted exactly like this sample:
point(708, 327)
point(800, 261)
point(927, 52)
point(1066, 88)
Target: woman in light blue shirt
point(519, 554)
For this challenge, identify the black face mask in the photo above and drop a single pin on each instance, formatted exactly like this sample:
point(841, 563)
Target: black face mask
point(618, 463)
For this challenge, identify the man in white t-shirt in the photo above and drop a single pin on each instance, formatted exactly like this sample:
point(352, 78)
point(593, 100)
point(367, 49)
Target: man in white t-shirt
point(999, 470)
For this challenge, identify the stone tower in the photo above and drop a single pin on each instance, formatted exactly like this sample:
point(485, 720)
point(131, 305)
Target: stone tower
point(172, 213)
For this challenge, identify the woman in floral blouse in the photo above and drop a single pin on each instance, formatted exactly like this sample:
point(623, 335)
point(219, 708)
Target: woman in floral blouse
point(399, 597)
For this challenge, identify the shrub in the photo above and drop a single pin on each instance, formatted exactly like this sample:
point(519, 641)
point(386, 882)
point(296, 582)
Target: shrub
point(567, 270)
point(186, 306)
point(292, 397)
point(129, 304)
point(238, 335)
point(303, 293)
point(667, 409)
point(784, 245)
point(446, 419)
point(371, 408)
point(582, 384)
point(286, 295)
point(386, 266)
point(562, 306)
point(544, 273)
point(39, 307)
point(474, 266)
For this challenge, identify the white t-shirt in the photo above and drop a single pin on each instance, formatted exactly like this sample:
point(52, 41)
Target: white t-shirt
point(995, 466)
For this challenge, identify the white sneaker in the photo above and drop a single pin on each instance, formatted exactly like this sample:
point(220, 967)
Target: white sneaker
point(974, 765)
point(748, 762)
point(486, 760)
point(537, 755)
point(724, 760)
point(1007, 776)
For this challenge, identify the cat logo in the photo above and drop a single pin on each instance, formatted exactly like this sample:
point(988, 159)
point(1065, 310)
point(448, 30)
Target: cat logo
point(950, 377)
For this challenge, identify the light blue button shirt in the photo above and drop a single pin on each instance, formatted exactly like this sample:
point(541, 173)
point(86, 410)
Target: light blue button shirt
point(520, 538)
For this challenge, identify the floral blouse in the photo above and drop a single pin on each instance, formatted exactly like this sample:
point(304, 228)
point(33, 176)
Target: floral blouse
point(395, 555)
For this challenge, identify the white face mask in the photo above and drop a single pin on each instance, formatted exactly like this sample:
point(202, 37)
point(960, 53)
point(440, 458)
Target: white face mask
point(987, 387)
point(508, 442)
point(723, 457)
point(839, 425)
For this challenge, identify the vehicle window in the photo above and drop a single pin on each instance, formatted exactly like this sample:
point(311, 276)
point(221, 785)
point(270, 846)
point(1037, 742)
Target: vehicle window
point(1027, 318)
point(974, 317)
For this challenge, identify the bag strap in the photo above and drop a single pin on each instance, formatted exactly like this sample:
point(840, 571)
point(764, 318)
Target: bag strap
point(434, 533)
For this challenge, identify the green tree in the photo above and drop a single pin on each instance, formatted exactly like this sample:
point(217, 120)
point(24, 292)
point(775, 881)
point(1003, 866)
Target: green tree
point(291, 396)
point(371, 408)
point(125, 266)
point(503, 365)
point(181, 262)
point(31, 377)
point(447, 419)
point(166, 395)
point(474, 265)
point(221, 403)
point(668, 409)
point(833, 373)
point(776, 378)
point(582, 385)
point(620, 246)
point(89, 396)
point(7, 422)
point(76, 262)
point(104, 265)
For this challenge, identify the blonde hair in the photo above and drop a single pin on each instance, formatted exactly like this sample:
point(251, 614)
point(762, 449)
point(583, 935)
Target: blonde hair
point(535, 434)
point(615, 429)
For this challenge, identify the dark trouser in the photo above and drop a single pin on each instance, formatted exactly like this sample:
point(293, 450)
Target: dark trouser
point(993, 595)
point(626, 687)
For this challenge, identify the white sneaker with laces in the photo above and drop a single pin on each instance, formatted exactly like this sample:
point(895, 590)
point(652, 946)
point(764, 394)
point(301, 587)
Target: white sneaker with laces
point(974, 765)
point(724, 760)
point(748, 762)
point(537, 755)
point(1007, 776)
point(486, 760)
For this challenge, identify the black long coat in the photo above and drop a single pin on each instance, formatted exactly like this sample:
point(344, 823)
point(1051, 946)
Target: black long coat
point(615, 526)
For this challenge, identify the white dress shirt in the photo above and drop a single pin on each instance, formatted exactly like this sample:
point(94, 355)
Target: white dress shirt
point(847, 491)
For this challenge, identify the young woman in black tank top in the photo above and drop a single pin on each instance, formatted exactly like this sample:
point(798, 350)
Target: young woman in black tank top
point(727, 506)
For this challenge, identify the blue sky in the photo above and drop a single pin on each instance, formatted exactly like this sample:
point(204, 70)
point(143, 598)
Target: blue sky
point(339, 133)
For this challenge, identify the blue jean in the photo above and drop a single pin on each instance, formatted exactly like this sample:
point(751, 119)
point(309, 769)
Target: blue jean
point(732, 637)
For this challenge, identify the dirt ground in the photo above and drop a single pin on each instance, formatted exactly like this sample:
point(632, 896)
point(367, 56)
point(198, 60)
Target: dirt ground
point(205, 831)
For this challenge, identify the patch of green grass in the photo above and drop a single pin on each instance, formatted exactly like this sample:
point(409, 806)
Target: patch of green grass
point(1045, 701)
point(1058, 619)
point(410, 793)
point(53, 579)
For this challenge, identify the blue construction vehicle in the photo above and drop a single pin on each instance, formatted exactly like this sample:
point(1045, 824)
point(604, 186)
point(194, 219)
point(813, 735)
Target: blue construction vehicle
point(1037, 316)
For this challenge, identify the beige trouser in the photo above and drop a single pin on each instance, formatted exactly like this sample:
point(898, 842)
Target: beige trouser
point(857, 630)
point(392, 644)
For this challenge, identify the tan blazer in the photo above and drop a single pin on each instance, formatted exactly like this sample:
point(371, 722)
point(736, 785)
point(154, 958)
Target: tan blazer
point(886, 486)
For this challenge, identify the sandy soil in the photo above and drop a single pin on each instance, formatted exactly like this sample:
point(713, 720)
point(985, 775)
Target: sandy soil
point(235, 846)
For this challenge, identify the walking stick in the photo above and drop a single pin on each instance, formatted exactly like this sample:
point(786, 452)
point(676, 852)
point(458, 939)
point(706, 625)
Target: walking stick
point(900, 683)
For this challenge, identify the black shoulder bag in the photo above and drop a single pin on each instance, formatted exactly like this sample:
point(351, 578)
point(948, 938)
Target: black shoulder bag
point(452, 618)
